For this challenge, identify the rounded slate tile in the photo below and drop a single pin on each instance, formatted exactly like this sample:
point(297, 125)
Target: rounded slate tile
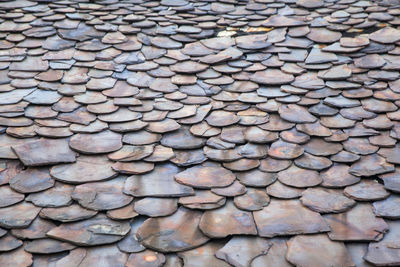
point(10, 197)
point(132, 168)
point(324, 251)
point(155, 207)
point(188, 157)
point(370, 61)
point(360, 146)
point(366, 190)
point(182, 139)
point(288, 217)
point(96, 168)
point(253, 199)
point(166, 125)
point(256, 178)
point(271, 77)
point(322, 35)
point(44, 152)
point(183, 232)
point(371, 165)
point(254, 41)
point(105, 255)
point(386, 35)
point(70, 213)
point(274, 165)
point(319, 147)
point(221, 118)
point(105, 195)
point(235, 189)
point(283, 150)
point(188, 67)
point(383, 253)
point(50, 132)
point(326, 200)
point(336, 73)
point(241, 250)
point(214, 225)
point(205, 177)
point(16, 257)
point(338, 176)
point(107, 231)
point(131, 153)
point(123, 213)
point(294, 136)
point(203, 200)
point(94, 127)
point(100, 83)
point(218, 43)
point(309, 161)
point(354, 42)
point(160, 153)
point(47, 246)
point(165, 42)
point(310, 4)
point(298, 177)
point(357, 224)
point(345, 157)
point(97, 143)
point(32, 180)
point(36, 230)
point(8, 243)
point(275, 256)
point(388, 208)
point(296, 114)
point(140, 138)
point(57, 196)
point(282, 21)
point(159, 182)
point(129, 243)
point(242, 164)
point(18, 216)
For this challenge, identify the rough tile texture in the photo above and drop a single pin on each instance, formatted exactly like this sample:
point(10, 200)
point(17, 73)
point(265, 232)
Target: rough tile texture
point(199, 133)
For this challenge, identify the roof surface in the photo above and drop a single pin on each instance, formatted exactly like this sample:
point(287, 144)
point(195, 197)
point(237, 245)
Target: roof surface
point(199, 133)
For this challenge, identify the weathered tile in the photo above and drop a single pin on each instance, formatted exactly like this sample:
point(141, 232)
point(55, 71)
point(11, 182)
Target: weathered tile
point(213, 224)
point(18, 216)
point(317, 250)
point(281, 109)
point(44, 152)
point(357, 224)
point(299, 177)
point(366, 190)
point(105, 195)
point(205, 177)
point(96, 168)
point(182, 232)
point(159, 182)
point(145, 258)
point(241, 250)
point(32, 180)
point(288, 217)
point(97, 143)
point(326, 200)
point(97, 230)
point(385, 252)
point(155, 207)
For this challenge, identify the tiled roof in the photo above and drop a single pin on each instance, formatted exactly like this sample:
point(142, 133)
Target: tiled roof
point(258, 133)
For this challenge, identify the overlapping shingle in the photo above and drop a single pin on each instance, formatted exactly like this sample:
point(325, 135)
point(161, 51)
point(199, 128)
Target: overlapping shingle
point(195, 133)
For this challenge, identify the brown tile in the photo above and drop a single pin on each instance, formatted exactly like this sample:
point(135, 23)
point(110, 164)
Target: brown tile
point(183, 232)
